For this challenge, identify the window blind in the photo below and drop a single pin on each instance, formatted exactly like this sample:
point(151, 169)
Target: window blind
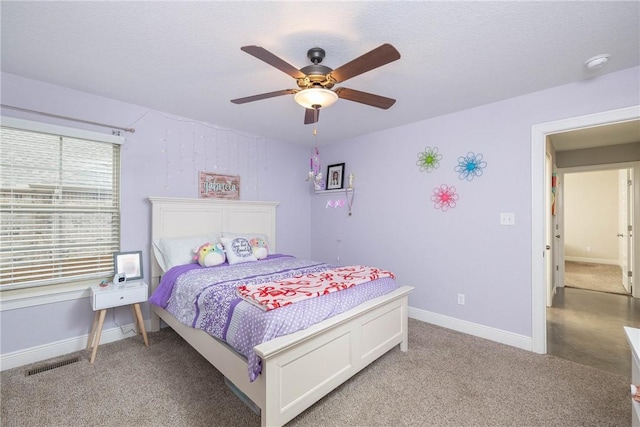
point(59, 208)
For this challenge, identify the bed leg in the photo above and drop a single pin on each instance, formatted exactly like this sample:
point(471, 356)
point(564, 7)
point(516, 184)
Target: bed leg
point(155, 321)
point(270, 413)
point(404, 344)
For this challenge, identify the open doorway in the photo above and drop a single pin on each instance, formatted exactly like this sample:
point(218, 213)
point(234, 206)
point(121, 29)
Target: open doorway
point(540, 134)
point(597, 219)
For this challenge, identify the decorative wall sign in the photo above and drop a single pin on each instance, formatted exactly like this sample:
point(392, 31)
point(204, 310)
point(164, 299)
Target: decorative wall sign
point(216, 186)
point(429, 159)
point(470, 166)
point(444, 197)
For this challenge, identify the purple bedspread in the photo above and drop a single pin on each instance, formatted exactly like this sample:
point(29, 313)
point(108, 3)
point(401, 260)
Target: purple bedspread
point(206, 298)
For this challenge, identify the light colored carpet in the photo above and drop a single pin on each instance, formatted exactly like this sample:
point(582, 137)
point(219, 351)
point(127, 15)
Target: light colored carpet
point(594, 277)
point(445, 379)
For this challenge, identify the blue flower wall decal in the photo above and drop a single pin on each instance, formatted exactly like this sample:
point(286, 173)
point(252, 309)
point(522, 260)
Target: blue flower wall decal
point(470, 166)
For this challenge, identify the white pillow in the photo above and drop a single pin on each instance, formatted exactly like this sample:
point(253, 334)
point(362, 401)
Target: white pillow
point(237, 249)
point(250, 236)
point(172, 251)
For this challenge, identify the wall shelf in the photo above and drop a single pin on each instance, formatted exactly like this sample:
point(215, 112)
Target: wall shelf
point(341, 190)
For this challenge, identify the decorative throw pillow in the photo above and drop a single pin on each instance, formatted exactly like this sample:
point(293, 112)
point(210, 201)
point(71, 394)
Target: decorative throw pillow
point(209, 255)
point(238, 250)
point(258, 239)
point(172, 251)
point(258, 247)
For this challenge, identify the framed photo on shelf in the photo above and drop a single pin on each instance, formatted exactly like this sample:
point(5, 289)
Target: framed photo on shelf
point(335, 177)
point(129, 264)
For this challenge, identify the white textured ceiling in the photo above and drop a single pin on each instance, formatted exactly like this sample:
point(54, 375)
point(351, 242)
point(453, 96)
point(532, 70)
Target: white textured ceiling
point(184, 57)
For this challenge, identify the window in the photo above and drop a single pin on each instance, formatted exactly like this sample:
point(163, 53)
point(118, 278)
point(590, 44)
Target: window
point(59, 204)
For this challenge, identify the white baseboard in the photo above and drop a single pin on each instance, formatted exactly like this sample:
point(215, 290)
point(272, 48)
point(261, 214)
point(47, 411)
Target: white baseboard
point(59, 348)
point(486, 332)
point(592, 260)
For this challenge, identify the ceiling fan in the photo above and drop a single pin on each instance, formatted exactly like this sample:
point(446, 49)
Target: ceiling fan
point(315, 81)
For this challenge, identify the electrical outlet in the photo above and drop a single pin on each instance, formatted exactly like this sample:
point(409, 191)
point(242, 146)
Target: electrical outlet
point(588, 248)
point(461, 299)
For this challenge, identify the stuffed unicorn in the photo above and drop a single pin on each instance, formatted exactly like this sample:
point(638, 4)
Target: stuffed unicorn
point(258, 247)
point(209, 255)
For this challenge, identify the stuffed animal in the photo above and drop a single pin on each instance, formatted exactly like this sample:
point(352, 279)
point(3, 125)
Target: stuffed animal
point(209, 255)
point(258, 247)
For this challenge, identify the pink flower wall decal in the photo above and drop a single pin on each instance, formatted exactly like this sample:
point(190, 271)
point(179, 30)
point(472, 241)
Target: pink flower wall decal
point(444, 197)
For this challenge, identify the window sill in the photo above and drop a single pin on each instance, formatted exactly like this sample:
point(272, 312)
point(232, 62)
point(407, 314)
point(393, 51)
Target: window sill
point(29, 297)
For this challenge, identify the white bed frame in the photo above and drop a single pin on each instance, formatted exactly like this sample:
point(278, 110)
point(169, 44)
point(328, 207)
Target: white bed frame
point(297, 369)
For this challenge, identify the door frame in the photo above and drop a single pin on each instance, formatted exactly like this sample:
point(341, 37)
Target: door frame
point(626, 213)
point(539, 133)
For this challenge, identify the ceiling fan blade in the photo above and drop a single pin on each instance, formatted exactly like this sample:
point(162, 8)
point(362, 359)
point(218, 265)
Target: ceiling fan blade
point(263, 96)
point(268, 57)
point(311, 115)
point(376, 58)
point(365, 98)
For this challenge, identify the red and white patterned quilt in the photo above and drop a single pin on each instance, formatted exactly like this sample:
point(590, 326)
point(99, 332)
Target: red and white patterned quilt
point(298, 288)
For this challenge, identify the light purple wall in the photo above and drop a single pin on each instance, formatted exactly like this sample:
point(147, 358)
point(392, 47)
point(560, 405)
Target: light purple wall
point(270, 170)
point(394, 224)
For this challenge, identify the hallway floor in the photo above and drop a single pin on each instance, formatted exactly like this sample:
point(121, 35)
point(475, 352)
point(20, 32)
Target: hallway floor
point(586, 327)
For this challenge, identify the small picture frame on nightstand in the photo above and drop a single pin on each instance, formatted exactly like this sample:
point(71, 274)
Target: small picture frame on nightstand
point(129, 264)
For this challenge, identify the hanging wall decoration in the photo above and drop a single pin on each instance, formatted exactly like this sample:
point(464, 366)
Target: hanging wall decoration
point(314, 175)
point(444, 197)
point(429, 159)
point(470, 166)
point(353, 193)
point(335, 203)
point(189, 147)
point(554, 183)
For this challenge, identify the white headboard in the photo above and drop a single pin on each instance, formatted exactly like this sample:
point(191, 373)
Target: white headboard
point(176, 217)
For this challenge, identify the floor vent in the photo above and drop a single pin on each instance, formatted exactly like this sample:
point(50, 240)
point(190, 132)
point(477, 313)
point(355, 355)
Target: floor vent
point(53, 365)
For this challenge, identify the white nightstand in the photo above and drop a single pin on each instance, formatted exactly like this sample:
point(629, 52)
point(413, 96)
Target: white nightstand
point(103, 298)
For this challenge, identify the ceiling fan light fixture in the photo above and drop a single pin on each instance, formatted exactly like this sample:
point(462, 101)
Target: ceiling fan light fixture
point(312, 97)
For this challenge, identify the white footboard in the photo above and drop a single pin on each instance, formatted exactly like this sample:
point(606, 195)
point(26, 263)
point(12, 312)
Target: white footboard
point(301, 368)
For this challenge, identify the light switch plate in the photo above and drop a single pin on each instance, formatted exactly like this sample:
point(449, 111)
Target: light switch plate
point(507, 218)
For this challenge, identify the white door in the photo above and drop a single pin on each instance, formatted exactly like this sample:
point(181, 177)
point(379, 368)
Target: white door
point(548, 253)
point(625, 216)
point(558, 231)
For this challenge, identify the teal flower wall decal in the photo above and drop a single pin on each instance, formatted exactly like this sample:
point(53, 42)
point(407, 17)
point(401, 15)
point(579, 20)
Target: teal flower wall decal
point(470, 166)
